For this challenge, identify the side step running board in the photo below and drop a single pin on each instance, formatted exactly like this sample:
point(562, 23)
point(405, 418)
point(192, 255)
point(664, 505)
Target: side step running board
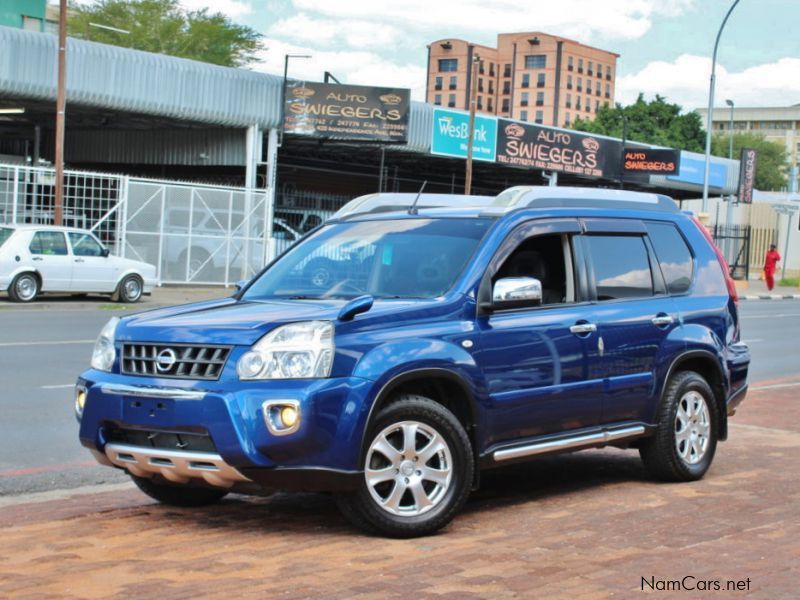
point(579, 441)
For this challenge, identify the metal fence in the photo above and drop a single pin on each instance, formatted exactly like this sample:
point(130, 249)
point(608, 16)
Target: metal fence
point(734, 243)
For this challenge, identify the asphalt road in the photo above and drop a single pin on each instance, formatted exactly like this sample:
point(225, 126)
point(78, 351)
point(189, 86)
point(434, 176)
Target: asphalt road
point(42, 351)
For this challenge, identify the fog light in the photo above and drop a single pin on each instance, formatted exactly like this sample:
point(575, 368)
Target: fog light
point(282, 417)
point(80, 401)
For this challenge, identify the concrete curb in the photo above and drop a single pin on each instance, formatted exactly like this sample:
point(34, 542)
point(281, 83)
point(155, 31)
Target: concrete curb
point(771, 297)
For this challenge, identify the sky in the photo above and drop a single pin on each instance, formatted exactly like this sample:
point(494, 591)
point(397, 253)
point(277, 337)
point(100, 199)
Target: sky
point(665, 45)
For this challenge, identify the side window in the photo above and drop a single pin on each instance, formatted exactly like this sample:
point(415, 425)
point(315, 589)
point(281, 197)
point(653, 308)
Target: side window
point(48, 242)
point(673, 255)
point(84, 245)
point(621, 266)
point(545, 257)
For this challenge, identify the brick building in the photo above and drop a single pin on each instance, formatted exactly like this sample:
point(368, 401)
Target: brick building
point(530, 76)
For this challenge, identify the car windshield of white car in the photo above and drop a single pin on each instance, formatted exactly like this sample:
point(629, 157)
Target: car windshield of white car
point(397, 258)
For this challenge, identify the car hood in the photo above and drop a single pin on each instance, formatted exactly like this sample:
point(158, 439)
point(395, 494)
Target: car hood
point(233, 322)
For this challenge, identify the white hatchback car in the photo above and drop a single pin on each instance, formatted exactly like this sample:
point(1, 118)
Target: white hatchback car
point(43, 258)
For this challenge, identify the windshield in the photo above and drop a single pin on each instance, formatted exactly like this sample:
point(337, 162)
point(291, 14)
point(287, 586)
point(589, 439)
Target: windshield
point(400, 258)
point(5, 233)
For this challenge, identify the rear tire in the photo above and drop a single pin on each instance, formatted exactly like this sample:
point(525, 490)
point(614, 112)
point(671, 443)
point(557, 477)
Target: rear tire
point(685, 441)
point(179, 495)
point(418, 471)
point(24, 288)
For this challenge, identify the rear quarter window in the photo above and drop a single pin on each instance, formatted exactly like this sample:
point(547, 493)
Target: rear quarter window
point(673, 256)
point(5, 233)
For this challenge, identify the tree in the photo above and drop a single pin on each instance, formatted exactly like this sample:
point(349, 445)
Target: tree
point(771, 162)
point(163, 26)
point(656, 122)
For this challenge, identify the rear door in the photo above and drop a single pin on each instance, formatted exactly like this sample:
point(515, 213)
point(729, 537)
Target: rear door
point(50, 257)
point(92, 269)
point(633, 315)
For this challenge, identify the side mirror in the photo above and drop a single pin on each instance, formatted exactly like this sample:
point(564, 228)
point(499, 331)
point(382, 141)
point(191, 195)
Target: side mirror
point(516, 292)
point(240, 285)
point(106, 252)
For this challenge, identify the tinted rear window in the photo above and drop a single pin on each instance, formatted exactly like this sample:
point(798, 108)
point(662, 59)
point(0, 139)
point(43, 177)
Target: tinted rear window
point(673, 255)
point(621, 266)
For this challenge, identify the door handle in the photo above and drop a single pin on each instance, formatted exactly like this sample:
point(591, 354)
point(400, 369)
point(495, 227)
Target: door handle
point(662, 320)
point(79, 260)
point(37, 258)
point(583, 328)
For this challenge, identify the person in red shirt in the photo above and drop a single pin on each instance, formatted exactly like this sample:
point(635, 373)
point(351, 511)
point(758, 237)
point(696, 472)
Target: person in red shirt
point(769, 266)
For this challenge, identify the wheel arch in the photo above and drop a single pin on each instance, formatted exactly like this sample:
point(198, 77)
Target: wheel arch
point(707, 365)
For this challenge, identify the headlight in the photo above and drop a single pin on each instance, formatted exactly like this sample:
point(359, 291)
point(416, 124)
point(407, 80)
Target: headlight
point(295, 351)
point(104, 354)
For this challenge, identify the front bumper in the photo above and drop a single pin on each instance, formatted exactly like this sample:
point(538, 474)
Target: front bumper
point(322, 454)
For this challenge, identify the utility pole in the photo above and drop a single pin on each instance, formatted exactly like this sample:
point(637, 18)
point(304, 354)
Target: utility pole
point(61, 101)
point(471, 136)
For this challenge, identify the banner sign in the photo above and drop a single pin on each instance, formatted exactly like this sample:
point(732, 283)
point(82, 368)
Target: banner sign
point(651, 161)
point(533, 146)
point(747, 175)
point(692, 170)
point(451, 133)
point(351, 112)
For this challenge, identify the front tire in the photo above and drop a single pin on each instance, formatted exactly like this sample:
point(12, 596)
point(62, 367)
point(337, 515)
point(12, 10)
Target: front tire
point(130, 289)
point(418, 471)
point(685, 441)
point(24, 288)
point(179, 495)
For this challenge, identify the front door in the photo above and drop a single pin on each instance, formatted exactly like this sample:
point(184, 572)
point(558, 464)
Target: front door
point(92, 270)
point(50, 257)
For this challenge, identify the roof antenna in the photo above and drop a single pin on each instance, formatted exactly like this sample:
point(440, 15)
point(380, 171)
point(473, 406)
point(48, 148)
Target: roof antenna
point(412, 210)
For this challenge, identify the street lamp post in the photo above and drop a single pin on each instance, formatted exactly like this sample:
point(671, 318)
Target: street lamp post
point(730, 131)
point(286, 58)
point(711, 106)
point(61, 104)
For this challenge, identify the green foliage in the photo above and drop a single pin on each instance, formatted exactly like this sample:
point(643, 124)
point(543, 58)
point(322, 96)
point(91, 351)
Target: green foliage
point(163, 26)
point(790, 282)
point(656, 122)
point(771, 162)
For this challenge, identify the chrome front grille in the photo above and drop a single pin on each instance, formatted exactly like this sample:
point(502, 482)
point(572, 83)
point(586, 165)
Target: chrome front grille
point(179, 361)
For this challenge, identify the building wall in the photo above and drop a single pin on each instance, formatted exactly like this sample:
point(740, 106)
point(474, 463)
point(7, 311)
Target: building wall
point(23, 14)
point(777, 124)
point(546, 88)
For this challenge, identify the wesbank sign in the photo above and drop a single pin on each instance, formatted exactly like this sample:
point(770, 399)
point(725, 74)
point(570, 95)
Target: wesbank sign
point(451, 133)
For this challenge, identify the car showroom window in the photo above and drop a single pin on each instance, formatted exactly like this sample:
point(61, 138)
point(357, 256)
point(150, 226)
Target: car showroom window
point(673, 255)
point(541, 257)
point(621, 266)
point(48, 242)
point(84, 245)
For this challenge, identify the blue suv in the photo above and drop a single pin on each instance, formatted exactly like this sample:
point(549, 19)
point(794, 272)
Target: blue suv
point(413, 341)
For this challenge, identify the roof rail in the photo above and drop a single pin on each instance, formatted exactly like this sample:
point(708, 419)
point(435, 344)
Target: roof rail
point(397, 202)
point(588, 197)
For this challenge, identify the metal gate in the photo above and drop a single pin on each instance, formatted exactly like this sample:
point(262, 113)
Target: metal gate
point(734, 243)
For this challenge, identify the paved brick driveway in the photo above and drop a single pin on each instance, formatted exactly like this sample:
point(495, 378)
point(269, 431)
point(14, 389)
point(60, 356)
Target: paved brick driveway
point(586, 525)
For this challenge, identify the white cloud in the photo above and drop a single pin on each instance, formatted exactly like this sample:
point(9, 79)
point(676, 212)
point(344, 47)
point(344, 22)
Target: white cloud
point(685, 81)
point(583, 19)
point(231, 8)
point(348, 66)
point(352, 33)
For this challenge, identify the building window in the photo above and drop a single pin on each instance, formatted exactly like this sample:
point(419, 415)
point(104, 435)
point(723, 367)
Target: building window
point(480, 102)
point(540, 79)
point(480, 84)
point(599, 71)
point(570, 63)
point(578, 103)
point(566, 120)
point(31, 23)
point(598, 90)
point(580, 84)
point(448, 64)
point(453, 82)
point(437, 99)
point(507, 71)
point(588, 105)
point(569, 82)
point(505, 105)
point(588, 86)
point(608, 72)
point(536, 61)
point(506, 87)
point(481, 68)
point(438, 84)
point(580, 65)
point(540, 117)
point(590, 69)
point(491, 69)
point(526, 80)
point(489, 105)
point(491, 86)
point(523, 115)
point(451, 100)
point(568, 103)
point(608, 90)
point(524, 99)
point(596, 105)
point(539, 98)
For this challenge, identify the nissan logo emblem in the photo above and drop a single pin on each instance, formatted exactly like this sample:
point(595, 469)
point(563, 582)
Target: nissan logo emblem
point(166, 359)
